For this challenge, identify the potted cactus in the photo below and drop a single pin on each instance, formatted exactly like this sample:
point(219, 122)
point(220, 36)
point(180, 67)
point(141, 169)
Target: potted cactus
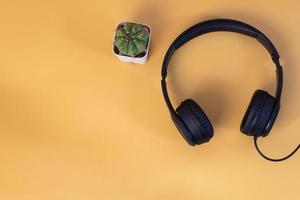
point(131, 42)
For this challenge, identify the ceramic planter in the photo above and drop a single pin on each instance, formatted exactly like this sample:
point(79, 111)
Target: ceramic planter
point(140, 59)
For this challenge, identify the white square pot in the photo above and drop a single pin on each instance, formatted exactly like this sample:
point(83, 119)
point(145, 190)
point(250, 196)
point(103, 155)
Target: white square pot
point(138, 60)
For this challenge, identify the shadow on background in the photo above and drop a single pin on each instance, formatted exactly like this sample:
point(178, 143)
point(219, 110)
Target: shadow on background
point(289, 106)
point(212, 97)
point(152, 15)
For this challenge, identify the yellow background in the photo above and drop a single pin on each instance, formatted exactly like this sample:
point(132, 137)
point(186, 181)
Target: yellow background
point(78, 124)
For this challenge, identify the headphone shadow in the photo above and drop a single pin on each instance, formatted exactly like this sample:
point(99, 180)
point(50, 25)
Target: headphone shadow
point(212, 97)
point(214, 102)
point(290, 110)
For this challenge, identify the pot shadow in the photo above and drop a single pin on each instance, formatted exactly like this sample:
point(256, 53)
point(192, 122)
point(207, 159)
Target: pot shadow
point(87, 32)
point(151, 14)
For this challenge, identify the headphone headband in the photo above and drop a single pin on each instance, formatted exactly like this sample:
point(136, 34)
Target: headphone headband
point(214, 26)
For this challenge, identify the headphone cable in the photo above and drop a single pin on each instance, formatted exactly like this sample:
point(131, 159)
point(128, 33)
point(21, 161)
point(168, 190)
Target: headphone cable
point(272, 159)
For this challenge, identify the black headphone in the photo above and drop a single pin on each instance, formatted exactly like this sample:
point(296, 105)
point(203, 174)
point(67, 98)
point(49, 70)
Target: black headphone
point(262, 111)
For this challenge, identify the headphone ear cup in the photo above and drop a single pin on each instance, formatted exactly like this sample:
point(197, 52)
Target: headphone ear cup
point(258, 114)
point(195, 120)
point(183, 130)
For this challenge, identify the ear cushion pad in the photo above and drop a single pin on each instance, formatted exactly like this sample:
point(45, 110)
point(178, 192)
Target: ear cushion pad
point(264, 114)
point(258, 113)
point(195, 120)
point(248, 119)
point(183, 130)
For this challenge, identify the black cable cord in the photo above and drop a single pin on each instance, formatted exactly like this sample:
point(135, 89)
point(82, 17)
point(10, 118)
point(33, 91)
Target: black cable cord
point(272, 159)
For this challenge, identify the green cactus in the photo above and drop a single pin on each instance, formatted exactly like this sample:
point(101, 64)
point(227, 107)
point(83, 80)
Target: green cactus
point(131, 39)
